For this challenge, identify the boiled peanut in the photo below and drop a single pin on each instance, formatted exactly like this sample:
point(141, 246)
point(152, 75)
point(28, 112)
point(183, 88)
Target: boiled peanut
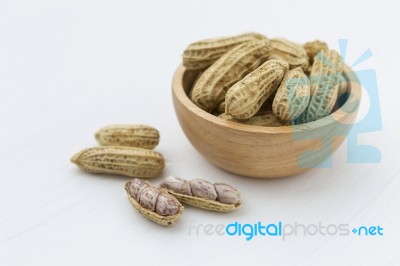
point(202, 54)
point(313, 48)
point(212, 85)
point(154, 203)
point(177, 184)
point(245, 98)
point(203, 189)
point(293, 95)
point(148, 198)
point(227, 194)
point(141, 136)
point(134, 162)
point(203, 194)
point(294, 54)
point(325, 81)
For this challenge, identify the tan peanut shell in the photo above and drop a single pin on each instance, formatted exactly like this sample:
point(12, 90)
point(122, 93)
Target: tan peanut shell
point(325, 78)
point(202, 54)
point(294, 54)
point(212, 85)
point(128, 161)
point(153, 215)
point(313, 48)
point(267, 119)
point(245, 98)
point(141, 136)
point(293, 95)
point(202, 202)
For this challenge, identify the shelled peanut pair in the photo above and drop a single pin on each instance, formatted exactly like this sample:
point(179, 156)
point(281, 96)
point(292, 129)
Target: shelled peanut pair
point(237, 75)
point(163, 204)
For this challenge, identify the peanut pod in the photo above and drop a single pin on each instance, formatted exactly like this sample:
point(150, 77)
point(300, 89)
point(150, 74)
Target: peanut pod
point(128, 161)
point(141, 136)
point(212, 85)
point(245, 98)
point(293, 95)
point(313, 48)
point(294, 54)
point(325, 77)
point(218, 197)
point(154, 203)
point(202, 54)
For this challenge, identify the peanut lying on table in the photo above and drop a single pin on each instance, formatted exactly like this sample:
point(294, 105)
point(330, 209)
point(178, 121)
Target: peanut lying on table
point(219, 197)
point(128, 161)
point(154, 203)
point(141, 136)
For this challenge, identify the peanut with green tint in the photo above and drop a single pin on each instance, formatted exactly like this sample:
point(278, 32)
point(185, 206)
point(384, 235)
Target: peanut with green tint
point(325, 79)
point(293, 95)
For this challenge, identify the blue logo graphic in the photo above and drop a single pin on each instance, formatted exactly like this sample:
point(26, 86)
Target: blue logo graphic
point(356, 153)
point(283, 231)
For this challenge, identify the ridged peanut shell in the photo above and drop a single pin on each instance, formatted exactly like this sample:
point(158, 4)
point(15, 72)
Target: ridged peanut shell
point(294, 54)
point(245, 98)
point(313, 48)
point(293, 95)
point(325, 78)
point(141, 136)
point(234, 65)
point(202, 54)
point(128, 161)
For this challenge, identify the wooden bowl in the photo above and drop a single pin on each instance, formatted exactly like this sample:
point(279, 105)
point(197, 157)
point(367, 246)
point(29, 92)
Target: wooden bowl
point(264, 152)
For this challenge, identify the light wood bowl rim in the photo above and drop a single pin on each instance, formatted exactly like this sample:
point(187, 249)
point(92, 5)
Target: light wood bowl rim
point(354, 89)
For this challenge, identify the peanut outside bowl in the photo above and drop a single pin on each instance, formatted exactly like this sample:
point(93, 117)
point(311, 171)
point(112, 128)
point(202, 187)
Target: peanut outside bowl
point(264, 152)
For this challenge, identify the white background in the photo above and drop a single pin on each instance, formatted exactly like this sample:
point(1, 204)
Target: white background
point(67, 68)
